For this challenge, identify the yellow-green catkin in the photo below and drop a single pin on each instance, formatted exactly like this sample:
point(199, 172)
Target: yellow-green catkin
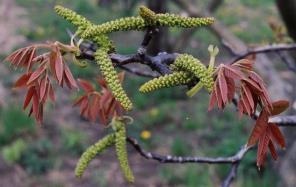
point(146, 19)
point(121, 152)
point(111, 77)
point(166, 81)
point(74, 18)
point(172, 20)
point(83, 24)
point(190, 64)
point(122, 24)
point(148, 15)
point(91, 152)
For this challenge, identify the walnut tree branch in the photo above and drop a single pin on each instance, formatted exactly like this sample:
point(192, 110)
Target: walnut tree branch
point(187, 159)
point(265, 49)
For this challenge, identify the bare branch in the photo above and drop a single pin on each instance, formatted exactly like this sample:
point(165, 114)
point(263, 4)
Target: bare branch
point(266, 49)
point(138, 72)
point(284, 121)
point(231, 176)
point(194, 159)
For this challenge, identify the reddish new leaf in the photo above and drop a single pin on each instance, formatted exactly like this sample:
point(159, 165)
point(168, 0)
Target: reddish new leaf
point(279, 107)
point(213, 100)
point(23, 59)
point(36, 74)
point(262, 148)
point(219, 97)
point(69, 78)
point(79, 100)
point(277, 135)
point(244, 64)
point(43, 88)
point(249, 97)
point(86, 86)
point(51, 92)
point(272, 150)
point(259, 128)
point(230, 89)
point(59, 66)
point(222, 87)
point(94, 108)
point(30, 61)
point(28, 97)
point(22, 81)
point(232, 72)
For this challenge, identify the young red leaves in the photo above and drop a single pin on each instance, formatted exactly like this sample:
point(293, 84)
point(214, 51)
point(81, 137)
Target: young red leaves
point(239, 78)
point(101, 104)
point(267, 134)
point(39, 72)
point(23, 57)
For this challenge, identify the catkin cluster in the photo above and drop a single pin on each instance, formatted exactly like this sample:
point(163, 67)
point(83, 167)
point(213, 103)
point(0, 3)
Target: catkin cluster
point(190, 64)
point(83, 24)
point(77, 20)
point(166, 81)
point(91, 152)
point(122, 24)
point(146, 19)
point(121, 152)
point(108, 71)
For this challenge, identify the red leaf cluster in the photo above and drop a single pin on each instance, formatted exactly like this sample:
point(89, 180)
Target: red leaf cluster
point(267, 134)
point(101, 104)
point(40, 70)
point(240, 78)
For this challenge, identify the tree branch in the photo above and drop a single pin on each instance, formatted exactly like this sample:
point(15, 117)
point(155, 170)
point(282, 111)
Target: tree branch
point(187, 159)
point(265, 49)
point(160, 63)
point(231, 176)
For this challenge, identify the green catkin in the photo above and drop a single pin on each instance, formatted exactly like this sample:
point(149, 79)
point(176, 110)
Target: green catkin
point(74, 18)
point(166, 81)
point(91, 152)
point(172, 20)
point(122, 24)
point(148, 15)
point(111, 77)
point(121, 152)
point(104, 43)
point(139, 23)
point(83, 24)
point(146, 19)
point(190, 64)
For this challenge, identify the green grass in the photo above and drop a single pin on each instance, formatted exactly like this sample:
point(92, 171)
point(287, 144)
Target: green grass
point(14, 123)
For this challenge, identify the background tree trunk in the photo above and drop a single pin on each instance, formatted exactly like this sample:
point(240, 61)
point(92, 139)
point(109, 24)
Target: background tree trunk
point(287, 10)
point(160, 41)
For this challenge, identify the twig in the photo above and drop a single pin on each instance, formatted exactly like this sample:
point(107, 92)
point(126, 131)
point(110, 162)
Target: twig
point(284, 121)
point(187, 159)
point(231, 176)
point(139, 72)
point(265, 49)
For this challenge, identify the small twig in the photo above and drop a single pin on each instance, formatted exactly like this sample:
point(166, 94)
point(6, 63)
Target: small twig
point(147, 38)
point(265, 49)
point(284, 121)
point(139, 72)
point(231, 176)
point(187, 159)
